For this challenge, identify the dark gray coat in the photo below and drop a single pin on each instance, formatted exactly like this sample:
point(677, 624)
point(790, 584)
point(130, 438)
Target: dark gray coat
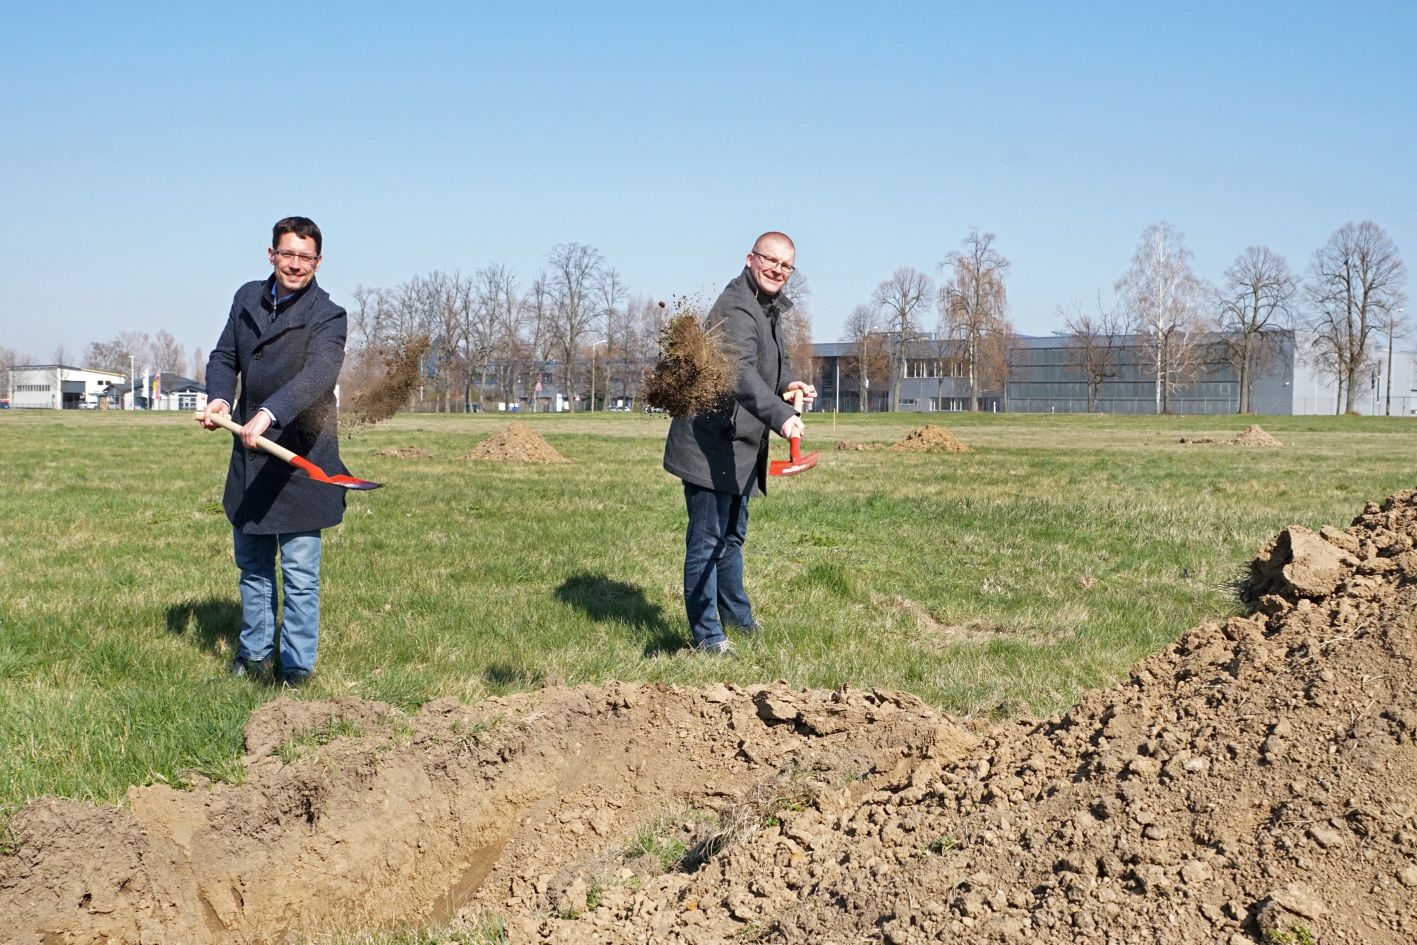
point(288, 365)
point(727, 451)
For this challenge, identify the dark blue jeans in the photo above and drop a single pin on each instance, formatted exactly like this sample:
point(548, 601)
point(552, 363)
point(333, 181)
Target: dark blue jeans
point(713, 563)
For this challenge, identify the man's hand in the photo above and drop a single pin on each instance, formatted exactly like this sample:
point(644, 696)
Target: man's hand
point(793, 427)
point(254, 427)
point(809, 392)
point(214, 408)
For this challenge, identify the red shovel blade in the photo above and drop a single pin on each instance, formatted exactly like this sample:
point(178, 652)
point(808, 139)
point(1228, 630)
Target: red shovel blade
point(798, 463)
point(318, 474)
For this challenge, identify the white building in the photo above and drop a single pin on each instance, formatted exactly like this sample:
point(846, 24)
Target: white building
point(59, 387)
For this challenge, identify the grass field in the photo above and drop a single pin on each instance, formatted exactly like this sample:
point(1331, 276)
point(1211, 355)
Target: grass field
point(1005, 580)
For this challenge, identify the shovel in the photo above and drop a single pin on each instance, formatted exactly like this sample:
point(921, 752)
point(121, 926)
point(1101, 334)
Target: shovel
point(299, 462)
point(798, 463)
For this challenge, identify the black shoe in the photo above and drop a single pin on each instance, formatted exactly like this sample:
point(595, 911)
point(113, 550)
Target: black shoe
point(251, 669)
point(754, 629)
point(294, 679)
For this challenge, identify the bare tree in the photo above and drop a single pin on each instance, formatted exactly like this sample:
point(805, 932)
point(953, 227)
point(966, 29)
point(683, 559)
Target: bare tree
point(974, 303)
point(1095, 346)
point(868, 356)
point(1162, 297)
point(130, 350)
point(61, 354)
point(1394, 325)
point(1355, 281)
point(1255, 301)
point(575, 276)
point(614, 316)
point(199, 365)
point(539, 310)
point(496, 296)
point(900, 301)
point(167, 353)
point(795, 328)
point(9, 357)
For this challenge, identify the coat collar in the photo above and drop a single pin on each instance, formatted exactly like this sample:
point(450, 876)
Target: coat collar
point(291, 313)
point(768, 303)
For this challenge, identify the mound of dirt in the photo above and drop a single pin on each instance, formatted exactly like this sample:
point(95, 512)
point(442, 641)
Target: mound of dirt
point(1250, 783)
point(516, 443)
point(930, 439)
point(849, 445)
point(1197, 439)
point(403, 452)
point(693, 374)
point(1253, 435)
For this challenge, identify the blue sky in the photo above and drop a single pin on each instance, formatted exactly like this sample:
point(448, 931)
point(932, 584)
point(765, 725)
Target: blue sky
point(148, 149)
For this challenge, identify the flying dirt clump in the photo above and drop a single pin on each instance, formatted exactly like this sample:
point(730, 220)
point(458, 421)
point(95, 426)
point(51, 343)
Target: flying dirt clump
point(516, 443)
point(693, 374)
point(1253, 435)
point(390, 393)
point(930, 439)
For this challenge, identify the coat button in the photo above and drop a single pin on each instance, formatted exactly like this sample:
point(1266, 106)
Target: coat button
point(257, 355)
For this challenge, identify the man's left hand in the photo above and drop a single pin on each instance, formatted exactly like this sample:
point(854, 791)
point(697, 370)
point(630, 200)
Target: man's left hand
point(809, 392)
point(255, 427)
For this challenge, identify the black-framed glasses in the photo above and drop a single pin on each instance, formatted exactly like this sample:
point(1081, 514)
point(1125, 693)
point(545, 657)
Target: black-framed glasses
point(786, 267)
point(290, 255)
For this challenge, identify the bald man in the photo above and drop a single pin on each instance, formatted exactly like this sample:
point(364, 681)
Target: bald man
point(722, 457)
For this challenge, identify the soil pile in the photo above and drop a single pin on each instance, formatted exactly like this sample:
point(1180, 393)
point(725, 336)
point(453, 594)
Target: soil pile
point(693, 374)
point(1197, 439)
point(1253, 435)
point(849, 445)
point(1251, 783)
point(516, 443)
point(403, 452)
point(930, 439)
point(389, 394)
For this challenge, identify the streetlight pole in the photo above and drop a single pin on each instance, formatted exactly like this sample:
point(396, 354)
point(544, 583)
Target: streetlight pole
point(602, 341)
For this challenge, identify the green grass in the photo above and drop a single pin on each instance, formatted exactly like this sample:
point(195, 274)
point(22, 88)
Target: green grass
point(1005, 580)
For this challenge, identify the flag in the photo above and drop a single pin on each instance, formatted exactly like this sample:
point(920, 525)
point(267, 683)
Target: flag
point(538, 383)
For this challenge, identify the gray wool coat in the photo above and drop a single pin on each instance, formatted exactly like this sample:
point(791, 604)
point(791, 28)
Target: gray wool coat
point(727, 451)
point(288, 364)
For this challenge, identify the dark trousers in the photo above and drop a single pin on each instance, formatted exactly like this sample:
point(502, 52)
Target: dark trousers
point(713, 563)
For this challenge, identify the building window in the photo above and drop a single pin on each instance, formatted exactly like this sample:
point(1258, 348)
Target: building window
point(907, 402)
point(186, 401)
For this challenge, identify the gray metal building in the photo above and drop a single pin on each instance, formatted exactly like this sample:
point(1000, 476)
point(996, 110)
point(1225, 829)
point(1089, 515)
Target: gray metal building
point(1045, 377)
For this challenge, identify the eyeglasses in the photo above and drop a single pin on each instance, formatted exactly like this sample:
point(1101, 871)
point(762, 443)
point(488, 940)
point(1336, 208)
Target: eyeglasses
point(774, 263)
point(289, 255)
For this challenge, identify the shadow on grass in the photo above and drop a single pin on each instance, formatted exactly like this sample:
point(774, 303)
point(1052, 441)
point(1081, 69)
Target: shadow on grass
point(514, 677)
point(213, 623)
point(600, 598)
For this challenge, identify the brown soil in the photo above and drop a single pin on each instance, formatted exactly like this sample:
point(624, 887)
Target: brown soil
point(1254, 436)
point(849, 445)
point(930, 439)
point(403, 452)
point(1252, 781)
point(516, 443)
point(1197, 439)
point(693, 374)
point(389, 394)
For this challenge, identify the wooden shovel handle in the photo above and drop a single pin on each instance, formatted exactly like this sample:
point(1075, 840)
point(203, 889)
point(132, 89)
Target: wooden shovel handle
point(275, 449)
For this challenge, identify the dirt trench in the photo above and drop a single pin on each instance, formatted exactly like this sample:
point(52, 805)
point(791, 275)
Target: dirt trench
point(1254, 782)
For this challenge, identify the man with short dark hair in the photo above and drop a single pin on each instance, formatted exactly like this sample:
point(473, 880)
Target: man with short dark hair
point(284, 343)
point(722, 456)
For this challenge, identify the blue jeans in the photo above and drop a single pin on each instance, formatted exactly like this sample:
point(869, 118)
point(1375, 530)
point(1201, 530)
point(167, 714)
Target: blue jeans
point(300, 580)
point(713, 563)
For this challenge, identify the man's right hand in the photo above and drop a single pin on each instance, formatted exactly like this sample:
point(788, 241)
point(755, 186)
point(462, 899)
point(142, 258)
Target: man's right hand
point(214, 407)
point(793, 427)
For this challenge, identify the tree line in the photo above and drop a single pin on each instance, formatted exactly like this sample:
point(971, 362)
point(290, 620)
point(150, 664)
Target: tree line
point(1350, 298)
